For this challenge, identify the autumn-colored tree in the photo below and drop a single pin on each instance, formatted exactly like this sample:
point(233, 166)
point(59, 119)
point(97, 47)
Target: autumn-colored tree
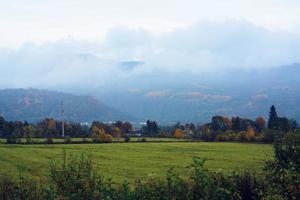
point(227, 123)
point(51, 124)
point(260, 123)
point(250, 134)
point(117, 133)
point(178, 134)
point(97, 134)
point(28, 131)
point(127, 127)
point(108, 138)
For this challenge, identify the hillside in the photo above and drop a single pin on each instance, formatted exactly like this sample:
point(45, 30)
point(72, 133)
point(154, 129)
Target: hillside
point(33, 105)
point(187, 97)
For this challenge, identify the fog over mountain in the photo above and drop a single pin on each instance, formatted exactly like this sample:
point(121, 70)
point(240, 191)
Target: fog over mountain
point(189, 74)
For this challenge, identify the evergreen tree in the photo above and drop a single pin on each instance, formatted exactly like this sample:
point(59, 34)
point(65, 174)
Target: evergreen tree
point(273, 118)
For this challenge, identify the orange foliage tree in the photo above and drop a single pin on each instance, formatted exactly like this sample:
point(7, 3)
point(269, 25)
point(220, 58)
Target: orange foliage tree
point(250, 134)
point(178, 133)
point(260, 123)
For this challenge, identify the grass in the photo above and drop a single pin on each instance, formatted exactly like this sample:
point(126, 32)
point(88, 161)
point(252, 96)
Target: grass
point(137, 160)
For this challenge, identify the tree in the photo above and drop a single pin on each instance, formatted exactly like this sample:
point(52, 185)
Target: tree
point(260, 123)
point(178, 133)
point(98, 134)
point(218, 124)
point(273, 118)
point(117, 133)
point(28, 131)
point(151, 128)
point(228, 124)
point(236, 124)
point(293, 124)
point(250, 134)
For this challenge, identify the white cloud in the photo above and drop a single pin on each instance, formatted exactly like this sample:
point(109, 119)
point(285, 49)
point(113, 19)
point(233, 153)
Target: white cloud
point(49, 20)
point(205, 46)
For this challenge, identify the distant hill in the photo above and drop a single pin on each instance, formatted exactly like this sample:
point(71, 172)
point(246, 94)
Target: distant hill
point(187, 97)
point(33, 105)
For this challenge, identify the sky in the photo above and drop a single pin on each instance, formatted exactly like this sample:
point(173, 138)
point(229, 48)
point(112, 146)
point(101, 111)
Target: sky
point(67, 43)
point(24, 21)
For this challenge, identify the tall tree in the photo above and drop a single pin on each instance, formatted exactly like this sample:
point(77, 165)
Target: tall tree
point(273, 118)
point(260, 123)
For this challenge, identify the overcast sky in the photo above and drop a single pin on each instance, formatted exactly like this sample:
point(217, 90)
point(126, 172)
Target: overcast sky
point(49, 20)
point(92, 42)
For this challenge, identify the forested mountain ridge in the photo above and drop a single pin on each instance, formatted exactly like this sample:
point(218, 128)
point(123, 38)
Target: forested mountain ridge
point(197, 97)
point(34, 105)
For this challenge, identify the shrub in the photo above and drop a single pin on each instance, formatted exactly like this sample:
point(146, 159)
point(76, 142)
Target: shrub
point(242, 136)
point(221, 138)
point(143, 139)
point(283, 173)
point(127, 138)
point(233, 137)
point(259, 138)
point(67, 140)
point(49, 141)
point(76, 177)
point(85, 140)
point(11, 140)
point(108, 138)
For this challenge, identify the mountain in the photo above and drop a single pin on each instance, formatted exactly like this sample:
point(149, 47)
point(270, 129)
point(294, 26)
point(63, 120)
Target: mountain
point(34, 104)
point(196, 97)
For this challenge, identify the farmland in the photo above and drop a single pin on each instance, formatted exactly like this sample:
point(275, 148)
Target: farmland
point(137, 160)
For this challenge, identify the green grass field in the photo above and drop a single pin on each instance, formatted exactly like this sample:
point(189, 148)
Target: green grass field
point(137, 160)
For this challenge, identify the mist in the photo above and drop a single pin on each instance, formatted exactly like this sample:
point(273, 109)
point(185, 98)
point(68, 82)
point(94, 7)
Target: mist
point(136, 56)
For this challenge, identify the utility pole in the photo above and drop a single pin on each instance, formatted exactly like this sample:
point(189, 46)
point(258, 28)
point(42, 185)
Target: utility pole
point(62, 119)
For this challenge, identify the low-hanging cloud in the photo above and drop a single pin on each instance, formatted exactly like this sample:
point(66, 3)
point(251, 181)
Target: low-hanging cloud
point(203, 47)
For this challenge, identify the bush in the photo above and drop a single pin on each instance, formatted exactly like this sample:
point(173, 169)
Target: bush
point(76, 177)
point(143, 139)
point(242, 136)
point(49, 141)
point(67, 140)
point(127, 138)
point(108, 138)
point(283, 173)
point(221, 138)
point(11, 140)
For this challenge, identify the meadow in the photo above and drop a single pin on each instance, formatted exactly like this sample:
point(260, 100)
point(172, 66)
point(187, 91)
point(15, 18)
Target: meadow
point(137, 160)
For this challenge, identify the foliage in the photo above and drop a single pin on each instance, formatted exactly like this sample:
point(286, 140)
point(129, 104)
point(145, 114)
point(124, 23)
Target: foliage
point(49, 141)
point(99, 135)
point(67, 140)
point(250, 134)
point(151, 128)
point(284, 171)
point(273, 118)
point(178, 134)
point(260, 123)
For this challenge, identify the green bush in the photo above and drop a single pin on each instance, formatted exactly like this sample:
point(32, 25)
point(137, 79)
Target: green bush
point(67, 140)
point(11, 140)
point(49, 141)
point(127, 138)
point(143, 139)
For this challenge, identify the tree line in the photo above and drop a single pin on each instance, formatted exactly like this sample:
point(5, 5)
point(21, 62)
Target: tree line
point(219, 129)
